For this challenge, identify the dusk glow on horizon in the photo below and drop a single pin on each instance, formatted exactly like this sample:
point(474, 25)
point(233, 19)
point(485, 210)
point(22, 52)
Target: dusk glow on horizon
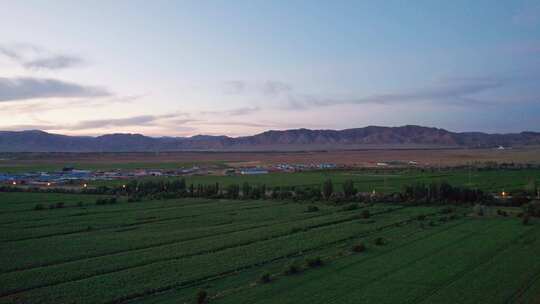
point(181, 68)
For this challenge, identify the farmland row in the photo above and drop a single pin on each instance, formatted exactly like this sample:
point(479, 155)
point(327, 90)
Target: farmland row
point(175, 250)
point(176, 272)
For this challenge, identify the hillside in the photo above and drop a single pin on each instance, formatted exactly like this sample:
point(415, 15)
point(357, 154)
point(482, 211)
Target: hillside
point(297, 139)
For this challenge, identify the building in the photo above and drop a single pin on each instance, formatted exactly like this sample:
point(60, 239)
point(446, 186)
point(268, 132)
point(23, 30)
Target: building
point(253, 171)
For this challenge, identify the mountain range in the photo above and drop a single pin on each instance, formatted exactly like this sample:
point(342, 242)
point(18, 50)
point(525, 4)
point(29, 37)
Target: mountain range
point(409, 136)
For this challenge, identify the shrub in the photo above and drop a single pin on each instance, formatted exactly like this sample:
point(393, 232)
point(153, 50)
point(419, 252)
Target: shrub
point(265, 278)
point(80, 204)
point(421, 217)
point(39, 207)
point(202, 297)
point(446, 210)
point(525, 219)
point(479, 210)
point(106, 201)
point(533, 208)
point(312, 208)
point(380, 241)
point(315, 262)
point(52, 206)
point(296, 230)
point(365, 214)
point(350, 207)
point(501, 212)
point(359, 248)
point(60, 205)
point(292, 269)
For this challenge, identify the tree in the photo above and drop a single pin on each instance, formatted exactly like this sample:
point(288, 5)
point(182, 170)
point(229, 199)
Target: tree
point(233, 191)
point(202, 297)
point(348, 188)
point(328, 189)
point(531, 187)
point(246, 190)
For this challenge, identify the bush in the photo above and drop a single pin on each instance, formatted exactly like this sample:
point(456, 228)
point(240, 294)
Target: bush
point(133, 199)
point(421, 217)
point(106, 201)
point(52, 206)
point(533, 208)
point(60, 205)
point(479, 210)
point(265, 278)
point(526, 219)
point(350, 207)
point(502, 212)
point(359, 248)
point(365, 214)
point(446, 210)
point(312, 208)
point(80, 204)
point(315, 262)
point(39, 207)
point(202, 297)
point(292, 269)
point(380, 241)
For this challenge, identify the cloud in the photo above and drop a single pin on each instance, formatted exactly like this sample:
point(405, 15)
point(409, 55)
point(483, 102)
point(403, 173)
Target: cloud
point(233, 112)
point(275, 88)
point(54, 62)
point(269, 88)
point(453, 91)
point(170, 119)
point(25, 127)
point(24, 88)
point(235, 123)
point(118, 122)
point(234, 87)
point(33, 57)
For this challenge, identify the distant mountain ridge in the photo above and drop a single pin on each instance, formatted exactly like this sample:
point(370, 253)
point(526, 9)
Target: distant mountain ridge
point(409, 136)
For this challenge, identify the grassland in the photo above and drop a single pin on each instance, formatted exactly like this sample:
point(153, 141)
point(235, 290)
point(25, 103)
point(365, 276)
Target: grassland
point(166, 251)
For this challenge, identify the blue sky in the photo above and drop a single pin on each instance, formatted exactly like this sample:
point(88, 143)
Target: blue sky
point(181, 68)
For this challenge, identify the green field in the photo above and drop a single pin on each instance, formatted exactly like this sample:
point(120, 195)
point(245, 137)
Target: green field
point(167, 251)
point(380, 181)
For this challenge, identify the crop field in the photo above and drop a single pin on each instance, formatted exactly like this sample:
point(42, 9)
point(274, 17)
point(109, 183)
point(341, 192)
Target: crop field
point(380, 181)
point(242, 251)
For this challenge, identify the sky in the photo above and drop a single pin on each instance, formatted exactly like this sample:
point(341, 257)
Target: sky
point(181, 68)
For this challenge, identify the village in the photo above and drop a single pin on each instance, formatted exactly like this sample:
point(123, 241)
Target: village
point(71, 175)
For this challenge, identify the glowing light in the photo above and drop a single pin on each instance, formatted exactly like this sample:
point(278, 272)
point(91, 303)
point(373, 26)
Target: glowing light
point(124, 186)
point(14, 183)
point(503, 193)
point(48, 184)
point(85, 185)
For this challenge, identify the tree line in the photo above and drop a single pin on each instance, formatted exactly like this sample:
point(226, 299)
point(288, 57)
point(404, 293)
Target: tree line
point(419, 193)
